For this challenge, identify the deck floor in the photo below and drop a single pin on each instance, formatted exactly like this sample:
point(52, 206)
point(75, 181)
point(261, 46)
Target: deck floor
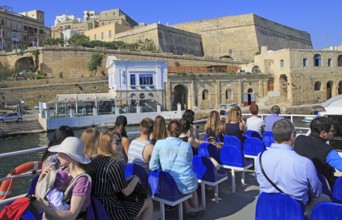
point(233, 206)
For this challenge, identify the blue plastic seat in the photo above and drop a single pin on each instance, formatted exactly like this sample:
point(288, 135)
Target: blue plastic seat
point(135, 169)
point(207, 175)
point(208, 150)
point(232, 140)
point(252, 147)
point(325, 184)
point(327, 211)
point(251, 133)
point(337, 191)
point(278, 206)
point(165, 191)
point(232, 158)
point(267, 138)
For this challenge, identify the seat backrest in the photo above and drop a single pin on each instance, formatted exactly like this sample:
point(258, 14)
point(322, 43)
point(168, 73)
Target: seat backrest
point(232, 140)
point(277, 206)
point(251, 133)
point(327, 211)
point(32, 188)
point(209, 150)
point(231, 155)
point(253, 146)
point(325, 184)
point(135, 169)
point(267, 138)
point(337, 190)
point(163, 185)
point(96, 210)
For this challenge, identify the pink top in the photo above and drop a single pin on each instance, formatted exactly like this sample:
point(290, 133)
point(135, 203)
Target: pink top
point(83, 188)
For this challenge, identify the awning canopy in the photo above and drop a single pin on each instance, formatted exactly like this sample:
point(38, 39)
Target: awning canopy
point(88, 97)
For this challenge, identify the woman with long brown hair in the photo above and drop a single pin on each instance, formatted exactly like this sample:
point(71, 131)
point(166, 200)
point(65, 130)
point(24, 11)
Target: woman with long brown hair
point(159, 130)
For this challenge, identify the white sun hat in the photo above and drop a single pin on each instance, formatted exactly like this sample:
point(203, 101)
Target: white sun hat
point(74, 148)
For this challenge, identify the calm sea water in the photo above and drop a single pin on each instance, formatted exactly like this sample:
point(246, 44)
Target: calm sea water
point(41, 139)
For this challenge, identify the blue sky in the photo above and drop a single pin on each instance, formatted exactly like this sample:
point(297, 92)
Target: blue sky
point(322, 19)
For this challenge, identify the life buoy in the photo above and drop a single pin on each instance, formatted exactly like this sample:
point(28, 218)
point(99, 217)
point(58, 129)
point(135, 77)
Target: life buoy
point(7, 185)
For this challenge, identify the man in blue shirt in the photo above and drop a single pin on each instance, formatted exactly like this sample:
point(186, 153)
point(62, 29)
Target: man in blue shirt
point(273, 117)
point(293, 174)
point(315, 147)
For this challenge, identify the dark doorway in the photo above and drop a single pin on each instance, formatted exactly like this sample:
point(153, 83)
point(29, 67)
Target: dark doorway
point(329, 89)
point(180, 96)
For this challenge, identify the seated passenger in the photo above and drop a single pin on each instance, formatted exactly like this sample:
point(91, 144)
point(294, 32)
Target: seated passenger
point(140, 149)
point(175, 156)
point(234, 125)
point(185, 126)
point(214, 128)
point(254, 123)
point(72, 159)
point(159, 130)
point(109, 181)
point(273, 117)
point(290, 173)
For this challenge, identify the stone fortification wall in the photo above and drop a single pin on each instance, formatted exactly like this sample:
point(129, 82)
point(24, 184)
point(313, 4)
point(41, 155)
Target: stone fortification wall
point(73, 62)
point(277, 36)
point(166, 39)
point(242, 36)
point(34, 91)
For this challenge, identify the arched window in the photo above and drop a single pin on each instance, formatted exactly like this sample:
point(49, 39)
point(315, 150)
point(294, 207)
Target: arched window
point(250, 90)
point(228, 94)
point(205, 94)
point(339, 60)
point(317, 60)
point(317, 86)
point(256, 69)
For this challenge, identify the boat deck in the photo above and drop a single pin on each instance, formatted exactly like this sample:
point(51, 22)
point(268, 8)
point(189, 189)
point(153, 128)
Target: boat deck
point(234, 206)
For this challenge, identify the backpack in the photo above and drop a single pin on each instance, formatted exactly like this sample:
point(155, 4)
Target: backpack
point(19, 209)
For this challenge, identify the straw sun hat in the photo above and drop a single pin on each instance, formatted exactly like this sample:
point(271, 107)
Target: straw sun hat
point(73, 147)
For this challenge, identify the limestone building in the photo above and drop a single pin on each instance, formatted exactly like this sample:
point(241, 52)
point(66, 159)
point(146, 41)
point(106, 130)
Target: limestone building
point(302, 76)
point(166, 39)
point(91, 20)
point(21, 30)
point(241, 36)
point(107, 32)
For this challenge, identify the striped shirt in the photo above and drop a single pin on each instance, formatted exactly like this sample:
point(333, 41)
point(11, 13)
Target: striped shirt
point(108, 180)
point(135, 153)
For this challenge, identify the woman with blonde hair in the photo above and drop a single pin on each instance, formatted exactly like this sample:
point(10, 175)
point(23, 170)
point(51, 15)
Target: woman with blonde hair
point(214, 128)
point(234, 125)
point(159, 130)
point(109, 181)
point(90, 138)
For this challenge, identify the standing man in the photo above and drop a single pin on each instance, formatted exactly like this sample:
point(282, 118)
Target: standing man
point(273, 117)
point(314, 147)
point(291, 173)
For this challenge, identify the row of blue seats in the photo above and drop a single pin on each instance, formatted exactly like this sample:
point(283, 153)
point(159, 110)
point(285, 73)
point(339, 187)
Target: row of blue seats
point(267, 138)
point(278, 206)
point(164, 189)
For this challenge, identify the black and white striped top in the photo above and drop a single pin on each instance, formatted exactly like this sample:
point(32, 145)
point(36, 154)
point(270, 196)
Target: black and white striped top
point(108, 180)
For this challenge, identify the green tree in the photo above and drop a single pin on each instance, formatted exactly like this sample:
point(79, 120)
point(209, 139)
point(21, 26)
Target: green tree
point(53, 41)
point(79, 40)
point(95, 62)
